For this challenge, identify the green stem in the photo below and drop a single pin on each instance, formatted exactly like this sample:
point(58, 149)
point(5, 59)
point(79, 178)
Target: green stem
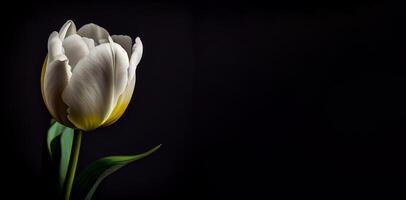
point(74, 161)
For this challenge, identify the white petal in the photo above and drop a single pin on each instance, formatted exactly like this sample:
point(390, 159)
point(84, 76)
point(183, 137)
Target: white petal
point(97, 33)
point(75, 49)
point(122, 103)
point(89, 42)
point(56, 78)
point(55, 48)
point(67, 29)
point(135, 57)
point(125, 41)
point(97, 81)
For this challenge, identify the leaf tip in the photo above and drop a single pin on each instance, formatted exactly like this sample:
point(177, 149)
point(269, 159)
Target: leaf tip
point(155, 148)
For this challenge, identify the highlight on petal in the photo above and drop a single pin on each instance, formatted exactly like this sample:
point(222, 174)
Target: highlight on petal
point(135, 57)
point(69, 28)
point(89, 42)
point(122, 103)
point(97, 82)
point(97, 33)
point(75, 49)
point(55, 48)
point(56, 76)
point(125, 41)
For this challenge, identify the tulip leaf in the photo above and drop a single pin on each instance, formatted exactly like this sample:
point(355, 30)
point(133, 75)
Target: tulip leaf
point(59, 142)
point(54, 132)
point(89, 179)
point(66, 149)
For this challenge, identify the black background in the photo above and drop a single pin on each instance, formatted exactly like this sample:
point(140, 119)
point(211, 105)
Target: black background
point(248, 99)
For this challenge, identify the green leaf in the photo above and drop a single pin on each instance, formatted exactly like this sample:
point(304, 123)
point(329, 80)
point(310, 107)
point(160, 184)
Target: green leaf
point(66, 149)
point(90, 178)
point(54, 132)
point(59, 142)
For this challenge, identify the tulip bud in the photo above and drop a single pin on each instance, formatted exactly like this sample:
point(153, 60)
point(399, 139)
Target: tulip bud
point(88, 77)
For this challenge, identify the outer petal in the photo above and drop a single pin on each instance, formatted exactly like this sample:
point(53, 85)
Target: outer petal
point(75, 48)
point(44, 68)
point(125, 41)
point(97, 33)
point(135, 57)
point(97, 82)
point(122, 103)
point(56, 77)
point(67, 29)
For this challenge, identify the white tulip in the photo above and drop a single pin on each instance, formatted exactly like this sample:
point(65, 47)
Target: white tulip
point(88, 77)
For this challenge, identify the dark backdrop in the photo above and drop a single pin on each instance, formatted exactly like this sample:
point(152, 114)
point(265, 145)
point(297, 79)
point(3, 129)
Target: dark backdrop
point(248, 99)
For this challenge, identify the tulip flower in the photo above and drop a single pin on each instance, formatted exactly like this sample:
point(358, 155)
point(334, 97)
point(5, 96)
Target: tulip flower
point(87, 82)
point(88, 77)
